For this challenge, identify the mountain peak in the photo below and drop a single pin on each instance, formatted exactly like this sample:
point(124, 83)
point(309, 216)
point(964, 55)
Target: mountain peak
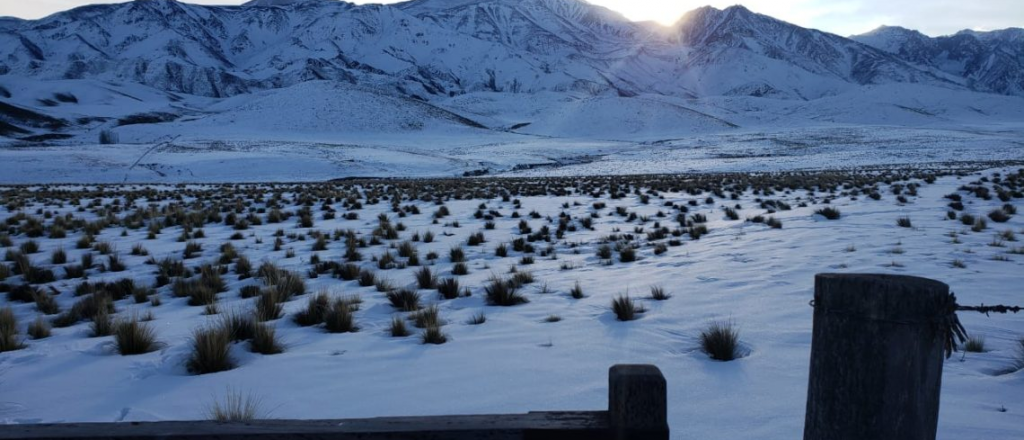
point(269, 3)
point(738, 9)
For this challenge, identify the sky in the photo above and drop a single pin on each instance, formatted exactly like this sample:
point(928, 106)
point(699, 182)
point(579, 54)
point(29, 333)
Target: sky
point(843, 17)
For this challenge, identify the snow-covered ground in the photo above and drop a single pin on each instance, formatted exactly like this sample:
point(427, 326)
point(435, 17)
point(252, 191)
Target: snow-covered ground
point(322, 130)
point(757, 277)
point(321, 158)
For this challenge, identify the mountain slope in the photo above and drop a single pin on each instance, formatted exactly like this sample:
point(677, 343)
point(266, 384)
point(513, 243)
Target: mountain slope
point(580, 69)
point(988, 61)
point(430, 48)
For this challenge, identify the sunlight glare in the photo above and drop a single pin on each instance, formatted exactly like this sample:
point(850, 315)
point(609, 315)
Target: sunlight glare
point(660, 11)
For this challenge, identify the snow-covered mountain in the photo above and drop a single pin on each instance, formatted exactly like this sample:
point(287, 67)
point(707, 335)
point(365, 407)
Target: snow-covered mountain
point(432, 48)
point(988, 61)
point(154, 61)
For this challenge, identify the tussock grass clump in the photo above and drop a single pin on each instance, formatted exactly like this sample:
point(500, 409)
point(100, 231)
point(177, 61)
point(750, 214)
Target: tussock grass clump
point(448, 288)
point(72, 271)
point(720, 341)
point(236, 408)
point(501, 293)
point(658, 293)
point(477, 319)
point(697, 231)
point(339, 318)
point(139, 251)
point(904, 222)
point(289, 285)
point(102, 324)
point(249, 291)
point(367, 278)
point(133, 337)
point(314, 311)
point(383, 285)
point(38, 329)
point(58, 256)
point(404, 300)
point(434, 335)
point(829, 213)
point(428, 317)
point(397, 329)
point(975, 344)
point(425, 278)
point(460, 269)
point(476, 239)
point(114, 263)
point(1018, 362)
point(210, 276)
point(979, 225)
point(457, 255)
point(774, 223)
point(577, 291)
point(9, 331)
point(45, 303)
point(264, 341)
point(243, 267)
point(198, 293)
point(348, 272)
point(85, 309)
point(269, 305)
point(22, 293)
point(211, 309)
point(29, 247)
point(999, 216)
point(387, 261)
point(520, 279)
point(625, 308)
point(191, 249)
point(211, 351)
point(238, 326)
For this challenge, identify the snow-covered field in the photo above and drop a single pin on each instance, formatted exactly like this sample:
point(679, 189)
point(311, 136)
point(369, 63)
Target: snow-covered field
point(322, 130)
point(450, 155)
point(757, 277)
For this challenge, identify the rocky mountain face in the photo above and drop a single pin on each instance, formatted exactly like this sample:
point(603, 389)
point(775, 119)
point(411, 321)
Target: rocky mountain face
point(428, 49)
point(986, 61)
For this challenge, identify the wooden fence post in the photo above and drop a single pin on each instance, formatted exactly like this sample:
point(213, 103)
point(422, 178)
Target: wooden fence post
point(637, 403)
point(876, 357)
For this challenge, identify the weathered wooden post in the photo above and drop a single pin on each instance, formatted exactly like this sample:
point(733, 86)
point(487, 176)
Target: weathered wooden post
point(637, 403)
point(876, 357)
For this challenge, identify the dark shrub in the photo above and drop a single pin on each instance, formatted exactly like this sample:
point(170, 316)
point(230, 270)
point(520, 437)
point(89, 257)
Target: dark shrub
point(265, 341)
point(404, 300)
point(448, 288)
point(829, 213)
point(624, 308)
point(501, 293)
point(133, 337)
point(720, 341)
point(210, 351)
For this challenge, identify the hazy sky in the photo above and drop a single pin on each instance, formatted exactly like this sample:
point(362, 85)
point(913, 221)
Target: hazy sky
point(843, 17)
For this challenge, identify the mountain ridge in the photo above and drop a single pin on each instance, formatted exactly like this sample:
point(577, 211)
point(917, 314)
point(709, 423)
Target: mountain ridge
point(545, 45)
point(434, 51)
